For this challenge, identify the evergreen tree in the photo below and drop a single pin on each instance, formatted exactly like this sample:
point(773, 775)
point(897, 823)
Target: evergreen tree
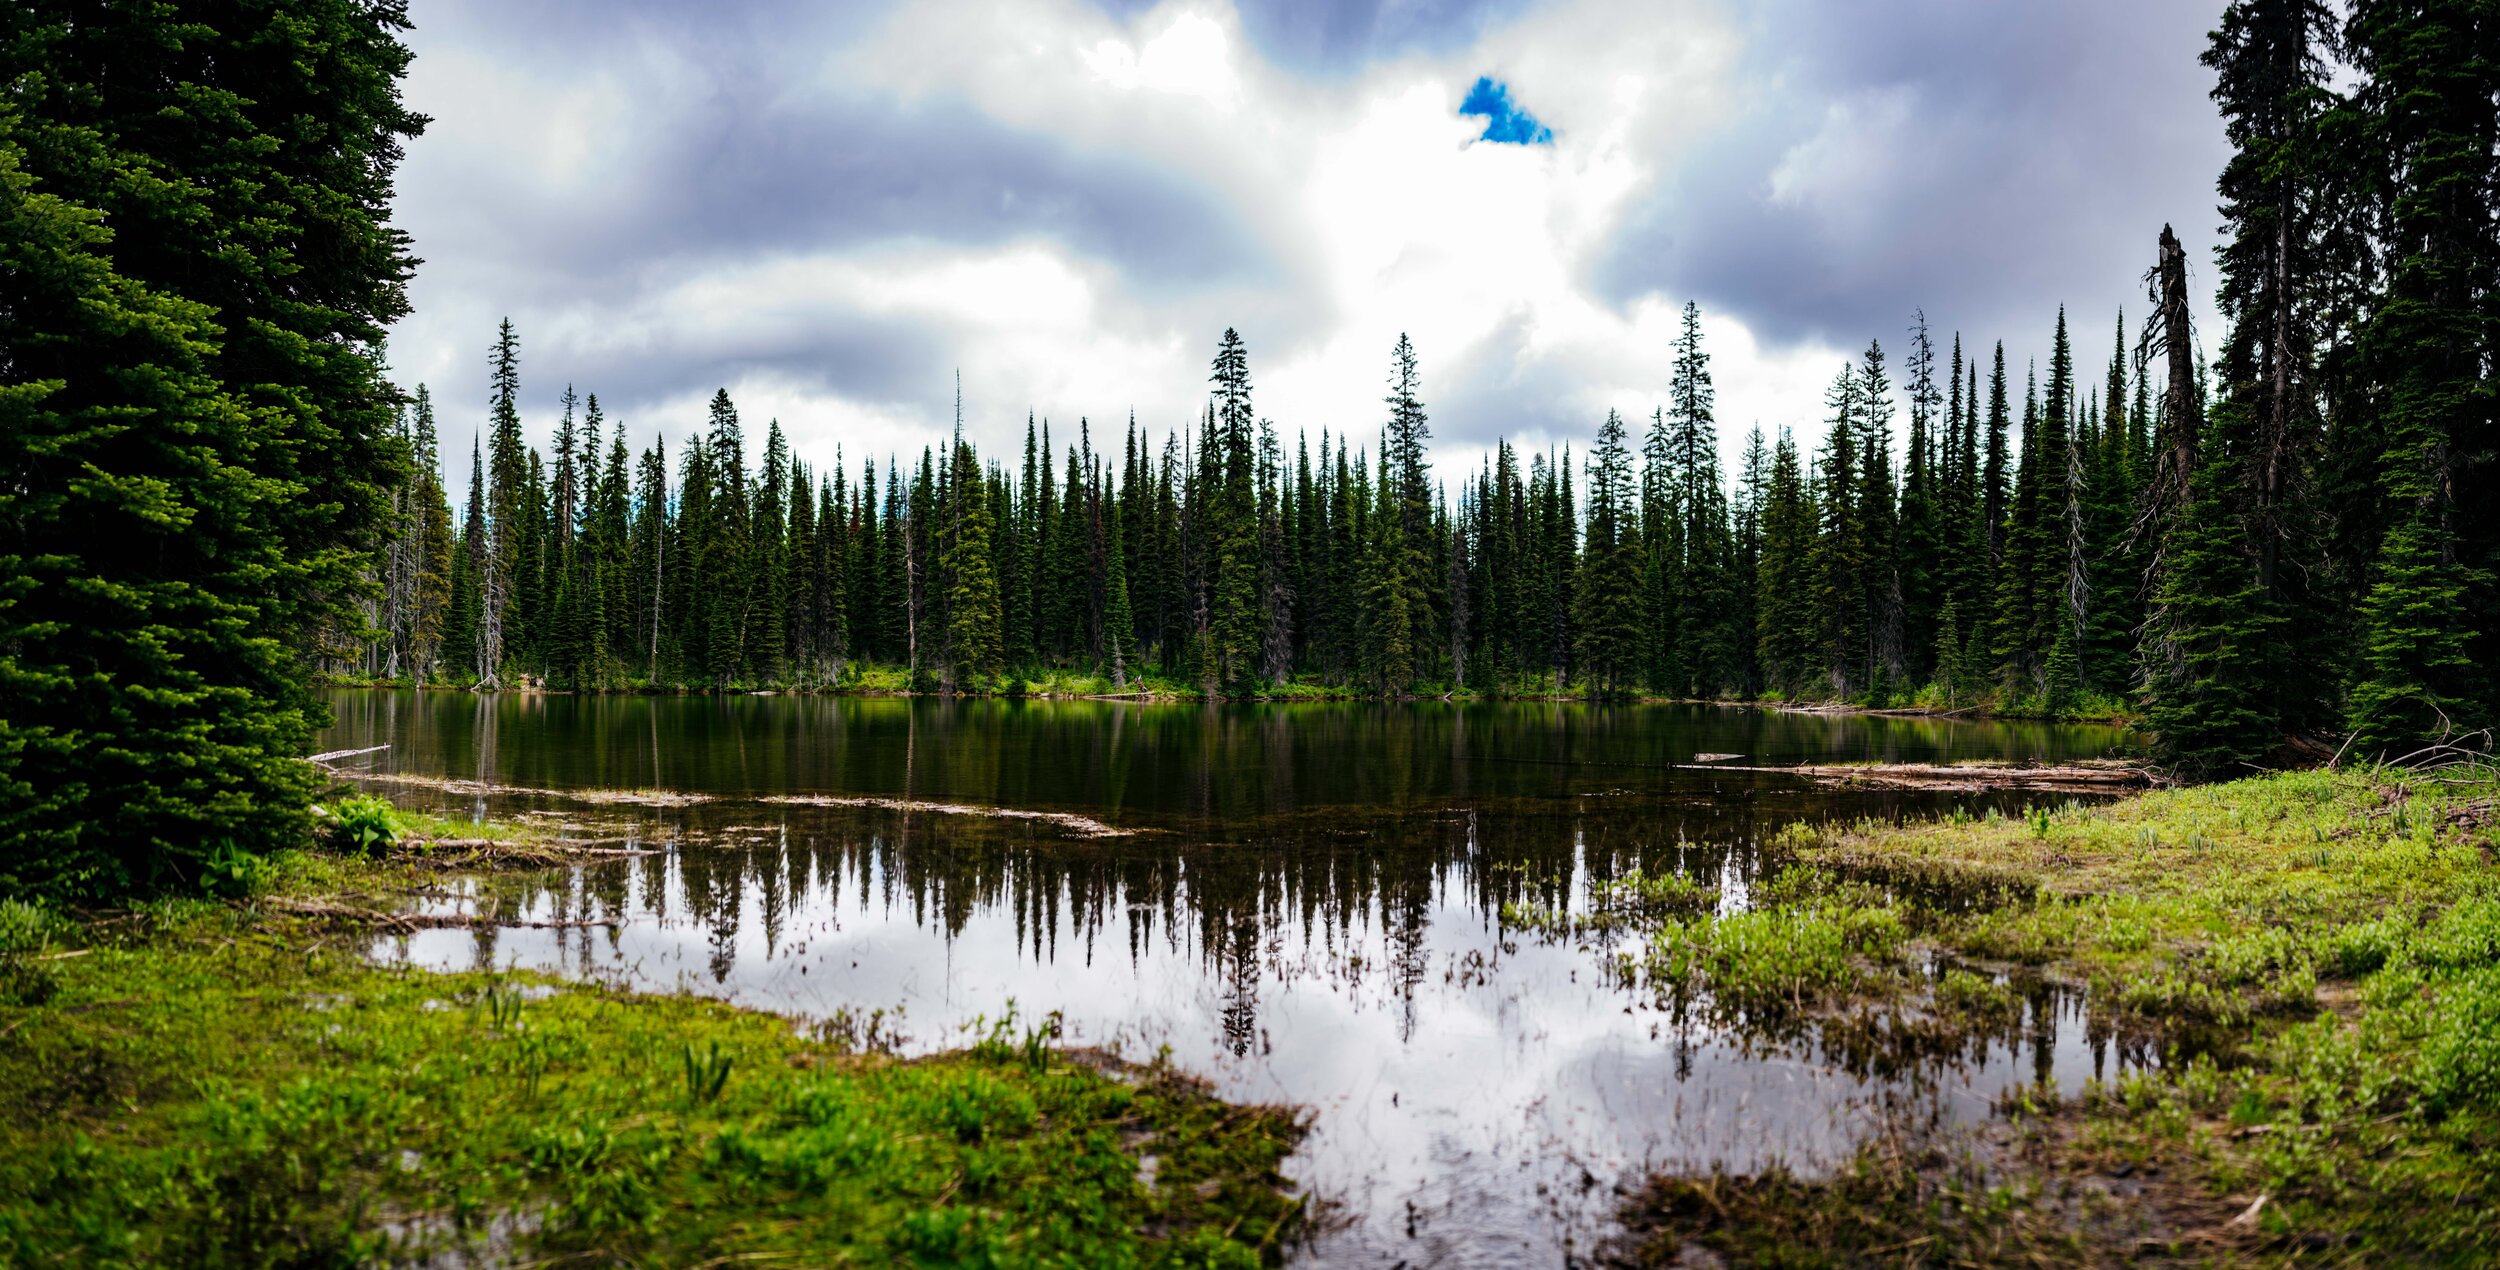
point(1840, 568)
point(2428, 630)
point(1786, 590)
point(430, 611)
point(1610, 576)
point(1407, 492)
point(972, 635)
point(1231, 528)
point(1920, 571)
point(197, 446)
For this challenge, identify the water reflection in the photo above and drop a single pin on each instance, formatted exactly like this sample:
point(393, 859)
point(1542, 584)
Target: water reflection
point(1308, 911)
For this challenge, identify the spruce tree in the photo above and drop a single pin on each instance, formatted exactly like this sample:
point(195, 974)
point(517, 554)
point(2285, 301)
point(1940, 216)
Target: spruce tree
point(1786, 608)
point(507, 475)
point(197, 446)
point(1919, 560)
point(1231, 531)
point(430, 611)
point(1409, 492)
point(1609, 599)
point(972, 635)
point(2428, 628)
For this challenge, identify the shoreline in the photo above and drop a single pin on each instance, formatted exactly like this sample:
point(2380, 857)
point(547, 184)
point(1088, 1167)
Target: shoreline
point(1307, 694)
point(192, 1080)
point(2311, 960)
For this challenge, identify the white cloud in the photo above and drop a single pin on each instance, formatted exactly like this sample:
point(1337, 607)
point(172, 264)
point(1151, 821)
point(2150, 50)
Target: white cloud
point(1370, 207)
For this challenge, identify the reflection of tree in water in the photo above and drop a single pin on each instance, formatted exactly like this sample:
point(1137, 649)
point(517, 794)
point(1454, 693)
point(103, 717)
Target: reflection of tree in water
point(1254, 901)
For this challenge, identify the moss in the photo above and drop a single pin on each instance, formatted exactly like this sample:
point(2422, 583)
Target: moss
point(2315, 955)
point(202, 1085)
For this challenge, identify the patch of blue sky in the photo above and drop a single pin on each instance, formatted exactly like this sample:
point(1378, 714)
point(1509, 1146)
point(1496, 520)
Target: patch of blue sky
point(1504, 121)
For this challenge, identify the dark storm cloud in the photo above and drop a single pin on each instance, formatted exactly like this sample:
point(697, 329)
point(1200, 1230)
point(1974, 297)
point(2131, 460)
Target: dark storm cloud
point(869, 360)
point(734, 150)
point(1983, 160)
point(757, 158)
point(743, 177)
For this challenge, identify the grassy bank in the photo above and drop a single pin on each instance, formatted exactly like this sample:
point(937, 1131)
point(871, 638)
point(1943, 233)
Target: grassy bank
point(2314, 958)
point(232, 1084)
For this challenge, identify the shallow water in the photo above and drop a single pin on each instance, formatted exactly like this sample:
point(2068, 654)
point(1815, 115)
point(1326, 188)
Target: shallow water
point(1303, 903)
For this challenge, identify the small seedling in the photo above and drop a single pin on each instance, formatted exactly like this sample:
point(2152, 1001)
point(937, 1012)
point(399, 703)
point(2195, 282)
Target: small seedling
point(502, 1006)
point(706, 1073)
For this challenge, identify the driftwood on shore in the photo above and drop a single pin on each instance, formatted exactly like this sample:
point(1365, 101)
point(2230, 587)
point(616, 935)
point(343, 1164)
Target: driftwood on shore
point(1963, 778)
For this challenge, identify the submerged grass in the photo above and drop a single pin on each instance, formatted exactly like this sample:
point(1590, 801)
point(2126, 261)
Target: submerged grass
point(205, 1084)
point(2315, 955)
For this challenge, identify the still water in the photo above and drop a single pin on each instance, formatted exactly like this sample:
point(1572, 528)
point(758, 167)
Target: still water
point(1302, 904)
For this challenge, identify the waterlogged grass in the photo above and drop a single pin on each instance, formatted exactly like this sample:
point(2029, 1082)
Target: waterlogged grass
point(2315, 955)
point(1633, 901)
point(192, 1084)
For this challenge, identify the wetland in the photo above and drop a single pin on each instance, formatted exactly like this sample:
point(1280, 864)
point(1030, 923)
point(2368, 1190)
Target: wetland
point(1330, 906)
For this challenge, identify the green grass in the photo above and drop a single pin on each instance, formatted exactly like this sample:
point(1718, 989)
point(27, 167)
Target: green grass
point(2316, 955)
point(201, 1084)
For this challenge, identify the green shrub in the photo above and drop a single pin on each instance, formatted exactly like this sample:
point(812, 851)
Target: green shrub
point(361, 824)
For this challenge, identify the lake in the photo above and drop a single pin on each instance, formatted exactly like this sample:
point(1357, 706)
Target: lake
point(1299, 903)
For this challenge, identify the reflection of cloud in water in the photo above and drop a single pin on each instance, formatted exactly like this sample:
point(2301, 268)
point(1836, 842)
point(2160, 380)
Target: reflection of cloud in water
point(1317, 923)
point(1486, 1093)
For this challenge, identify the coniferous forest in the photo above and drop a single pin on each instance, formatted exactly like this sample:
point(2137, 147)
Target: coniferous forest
point(2284, 530)
point(394, 869)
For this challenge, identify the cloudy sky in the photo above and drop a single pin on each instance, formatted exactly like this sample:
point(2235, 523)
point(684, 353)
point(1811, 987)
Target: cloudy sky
point(833, 209)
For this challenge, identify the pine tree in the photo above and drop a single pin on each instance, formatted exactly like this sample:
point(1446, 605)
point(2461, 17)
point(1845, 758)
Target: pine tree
point(972, 634)
point(507, 472)
point(2428, 628)
point(1839, 573)
point(197, 444)
point(1879, 525)
point(431, 602)
point(2205, 710)
point(1232, 522)
point(1388, 623)
point(1920, 571)
point(1118, 622)
point(1609, 599)
point(1408, 493)
point(466, 630)
point(1786, 591)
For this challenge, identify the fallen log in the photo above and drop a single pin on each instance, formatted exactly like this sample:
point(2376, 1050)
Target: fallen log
point(1967, 778)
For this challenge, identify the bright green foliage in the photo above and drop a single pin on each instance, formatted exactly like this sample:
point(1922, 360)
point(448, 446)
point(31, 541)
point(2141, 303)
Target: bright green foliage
point(177, 1104)
point(2214, 925)
point(195, 439)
